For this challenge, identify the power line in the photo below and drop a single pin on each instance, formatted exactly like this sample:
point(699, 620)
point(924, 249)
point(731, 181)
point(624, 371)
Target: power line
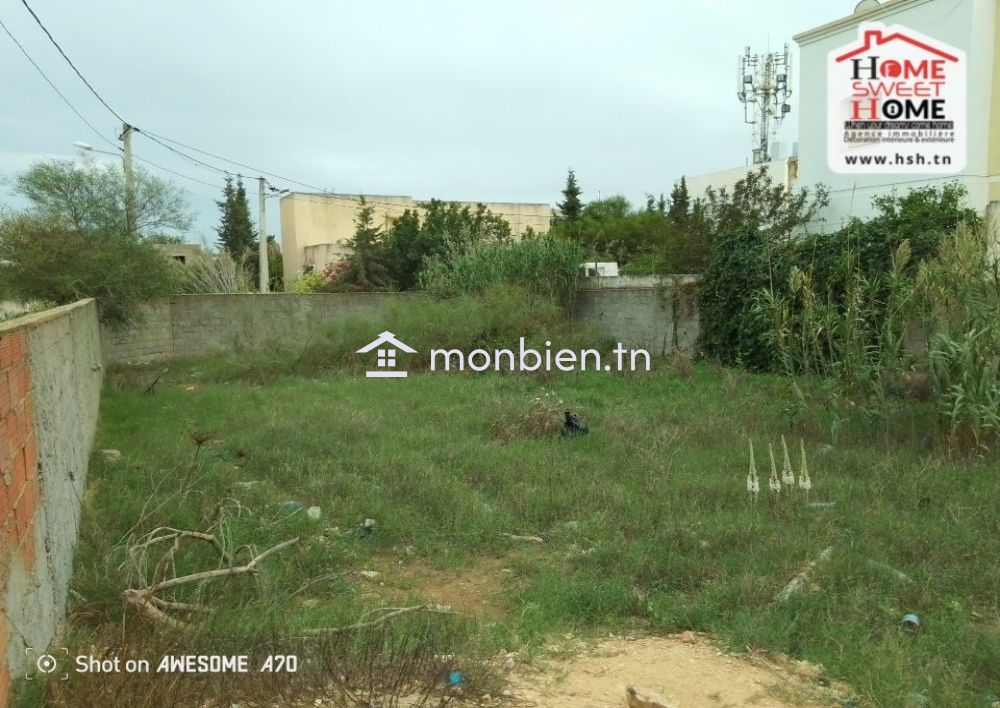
point(194, 160)
point(70, 62)
point(54, 87)
point(179, 174)
point(153, 136)
point(79, 115)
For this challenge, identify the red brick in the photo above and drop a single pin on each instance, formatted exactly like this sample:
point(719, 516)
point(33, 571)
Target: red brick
point(5, 399)
point(31, 455)
point(18, 383)
point(6, 452)
point(26, 505)
point(12, 349)
point(10, 427)
point(20, 472)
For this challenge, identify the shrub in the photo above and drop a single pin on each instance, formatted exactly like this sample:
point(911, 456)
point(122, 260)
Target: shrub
point(856, 335)
point(958, 299)
point(854, 264)
point(42, 260)
point(748, 227)
point(547, 266)
point(311, 282)
point(215, 274)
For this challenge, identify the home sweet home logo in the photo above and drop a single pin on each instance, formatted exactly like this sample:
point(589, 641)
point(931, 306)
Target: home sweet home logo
point(896, 104)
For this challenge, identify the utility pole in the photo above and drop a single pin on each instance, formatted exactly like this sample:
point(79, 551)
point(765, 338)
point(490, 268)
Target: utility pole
point(130, 216)
point(262, 237)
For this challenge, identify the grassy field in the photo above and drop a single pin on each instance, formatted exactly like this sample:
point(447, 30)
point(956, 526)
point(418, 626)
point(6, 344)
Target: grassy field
point(646, 522)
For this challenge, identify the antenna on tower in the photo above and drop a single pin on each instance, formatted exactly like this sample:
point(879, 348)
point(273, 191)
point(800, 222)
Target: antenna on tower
point(764, 89)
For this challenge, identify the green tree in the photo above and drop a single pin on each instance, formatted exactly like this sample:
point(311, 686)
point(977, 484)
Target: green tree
point(366, 267)
point(680, 204)
point(570, 208)
point(236, 232)
point(446, 230)
point(72, 242)
point(90, 198)
point(275, 265)
point(50, 260)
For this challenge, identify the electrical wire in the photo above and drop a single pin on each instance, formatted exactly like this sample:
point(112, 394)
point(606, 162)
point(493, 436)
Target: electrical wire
point(175, 172)
point(160, 139)
point(55, 88)
point(70, 62)
point(153, 136)
point(90, 125)
point(163, 140)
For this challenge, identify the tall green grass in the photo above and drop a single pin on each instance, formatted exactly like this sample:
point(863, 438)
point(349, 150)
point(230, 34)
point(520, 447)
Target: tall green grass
point(546, 265)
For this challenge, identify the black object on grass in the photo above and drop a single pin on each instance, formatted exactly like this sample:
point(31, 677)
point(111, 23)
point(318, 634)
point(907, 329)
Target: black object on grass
point(573, 425)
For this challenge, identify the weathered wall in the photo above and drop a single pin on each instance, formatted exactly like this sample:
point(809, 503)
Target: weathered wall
point(50, 380)
point(644, 312)
point(201, 325)
point(656, 313)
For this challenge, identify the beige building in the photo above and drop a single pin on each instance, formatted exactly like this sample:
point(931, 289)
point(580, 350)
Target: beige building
point(182, 253)
point(315, 228)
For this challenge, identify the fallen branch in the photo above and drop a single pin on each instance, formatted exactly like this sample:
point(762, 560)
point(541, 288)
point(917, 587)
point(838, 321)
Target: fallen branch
point(393, 613)
point(146, 600)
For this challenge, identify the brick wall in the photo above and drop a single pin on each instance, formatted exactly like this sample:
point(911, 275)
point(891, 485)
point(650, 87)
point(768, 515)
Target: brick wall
point(50, 376)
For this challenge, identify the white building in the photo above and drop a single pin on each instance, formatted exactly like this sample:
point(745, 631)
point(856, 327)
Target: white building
point(970, 25)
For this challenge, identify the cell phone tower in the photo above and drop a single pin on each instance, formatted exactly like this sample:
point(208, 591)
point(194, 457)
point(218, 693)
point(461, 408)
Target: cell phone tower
point(764, 89)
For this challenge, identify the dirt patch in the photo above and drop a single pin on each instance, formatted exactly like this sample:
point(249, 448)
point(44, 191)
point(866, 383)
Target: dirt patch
point(476, 590)
point(686, 671)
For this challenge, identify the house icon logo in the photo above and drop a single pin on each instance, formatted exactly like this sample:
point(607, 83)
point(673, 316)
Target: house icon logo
point(896, 104)
point(386, 344)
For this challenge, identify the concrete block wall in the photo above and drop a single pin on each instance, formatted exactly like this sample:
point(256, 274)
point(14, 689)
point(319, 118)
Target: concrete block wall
point(50, 380)
point(203, 325)
point(656, 313)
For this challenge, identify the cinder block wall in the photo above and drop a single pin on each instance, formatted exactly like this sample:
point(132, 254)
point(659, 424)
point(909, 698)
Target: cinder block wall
point(202, 325)
point(50, 380)
point(656, 313)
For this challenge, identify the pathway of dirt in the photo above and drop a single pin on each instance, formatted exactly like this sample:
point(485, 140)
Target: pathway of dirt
point(680, 671)
point(687, 670)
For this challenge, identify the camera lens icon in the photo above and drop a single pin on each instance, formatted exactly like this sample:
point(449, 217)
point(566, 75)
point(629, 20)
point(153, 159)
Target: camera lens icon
point(46, 663)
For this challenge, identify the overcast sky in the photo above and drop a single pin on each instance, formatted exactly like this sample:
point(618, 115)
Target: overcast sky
point(455, 100)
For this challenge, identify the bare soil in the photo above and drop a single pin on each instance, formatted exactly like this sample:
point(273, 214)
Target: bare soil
point(684, 671)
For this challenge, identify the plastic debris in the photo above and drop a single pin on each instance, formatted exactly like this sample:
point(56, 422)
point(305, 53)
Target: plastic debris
point(911, 622)
point(574, 425)
point(455, 678)
point(821, 506)
point(292, 505)
point(313, 512)
point(889, 570)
